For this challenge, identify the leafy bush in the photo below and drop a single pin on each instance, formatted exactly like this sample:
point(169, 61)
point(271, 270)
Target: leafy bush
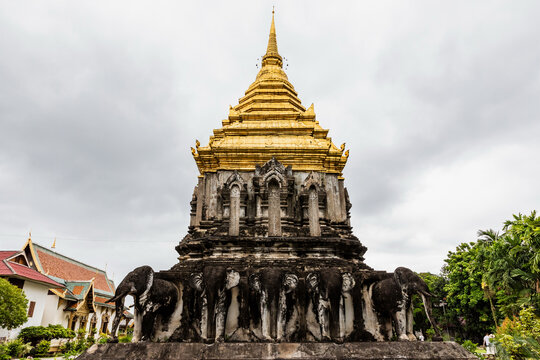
point(519, 338)
point(35, 334)
point(42, 348)
point(4, 355)
point(91, 338)
point(125, 338)
point(60, 332)
point(103, 338)
point(67, 347)
point(16, 348)
point(472, 348)
point(430, 333)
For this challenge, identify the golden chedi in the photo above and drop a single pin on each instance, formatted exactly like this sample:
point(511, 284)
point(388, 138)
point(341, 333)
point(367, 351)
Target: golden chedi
point(270, 121)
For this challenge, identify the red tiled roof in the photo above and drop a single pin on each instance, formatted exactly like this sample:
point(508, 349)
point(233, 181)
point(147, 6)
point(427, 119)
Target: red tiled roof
point(9, 268)
point(60, 267)
point(4, 254)
point(32, 274)
point(77, 289)
point(4, 270)
point(100, 299)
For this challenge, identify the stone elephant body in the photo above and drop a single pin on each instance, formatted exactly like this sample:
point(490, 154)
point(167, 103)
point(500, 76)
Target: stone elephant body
point(154, 301)
point(391, 299)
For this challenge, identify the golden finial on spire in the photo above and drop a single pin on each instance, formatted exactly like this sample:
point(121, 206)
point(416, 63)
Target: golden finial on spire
point(54, 244)
point(272, 41)
point(272, 56)
point(30, 235)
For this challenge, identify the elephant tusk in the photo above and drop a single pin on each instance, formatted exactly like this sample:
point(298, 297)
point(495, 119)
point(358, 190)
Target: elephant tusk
point(119, 296)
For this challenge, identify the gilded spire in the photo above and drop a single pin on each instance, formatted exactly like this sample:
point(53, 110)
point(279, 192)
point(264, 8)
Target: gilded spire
point(272, 42)
point(272, 56)
point(270, 121)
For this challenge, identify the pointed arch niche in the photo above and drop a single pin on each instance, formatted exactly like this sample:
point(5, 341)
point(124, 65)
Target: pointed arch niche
point(274, 208)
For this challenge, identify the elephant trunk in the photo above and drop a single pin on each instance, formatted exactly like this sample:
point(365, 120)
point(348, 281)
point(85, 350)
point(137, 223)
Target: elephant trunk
point(426, 300)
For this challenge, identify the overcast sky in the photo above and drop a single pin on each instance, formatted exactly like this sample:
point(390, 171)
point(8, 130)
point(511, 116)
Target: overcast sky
point(438, 102)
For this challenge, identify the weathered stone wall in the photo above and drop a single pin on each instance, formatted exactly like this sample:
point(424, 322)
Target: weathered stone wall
point(251, 351)
point(259, 204)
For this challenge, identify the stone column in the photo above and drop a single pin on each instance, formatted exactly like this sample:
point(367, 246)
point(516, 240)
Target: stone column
point(274, 209)
point(234, 212)
point(313, 212)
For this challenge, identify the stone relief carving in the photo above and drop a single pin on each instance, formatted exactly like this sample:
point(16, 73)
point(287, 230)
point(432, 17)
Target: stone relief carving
point(269, 309)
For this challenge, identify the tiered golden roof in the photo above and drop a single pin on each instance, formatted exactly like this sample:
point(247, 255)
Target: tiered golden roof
point(270, 121)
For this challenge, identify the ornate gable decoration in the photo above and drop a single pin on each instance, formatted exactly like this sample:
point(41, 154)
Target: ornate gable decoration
point(273, 169)
point(235, 179)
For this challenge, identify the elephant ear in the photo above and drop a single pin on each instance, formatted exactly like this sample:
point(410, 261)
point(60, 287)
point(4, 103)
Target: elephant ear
point(145, 283)
point(290, 281)
point(196, 281)
point(312, 281)
point(347, 282)
point(232, 279)
point(254, 282)
point(400, 278)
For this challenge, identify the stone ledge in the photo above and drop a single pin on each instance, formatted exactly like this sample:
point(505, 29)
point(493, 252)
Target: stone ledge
point(251, 351)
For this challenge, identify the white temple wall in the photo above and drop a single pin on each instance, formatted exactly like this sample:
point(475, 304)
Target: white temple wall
point(54, 314)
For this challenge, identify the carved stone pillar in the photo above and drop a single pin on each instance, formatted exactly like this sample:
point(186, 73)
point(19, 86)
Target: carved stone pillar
point(234, 213)
point(274, 209)
point(313, 212)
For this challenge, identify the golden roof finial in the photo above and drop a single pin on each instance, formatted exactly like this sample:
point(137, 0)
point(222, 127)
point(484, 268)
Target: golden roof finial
point(30, 235)
point(54, 244)
point(272, 56)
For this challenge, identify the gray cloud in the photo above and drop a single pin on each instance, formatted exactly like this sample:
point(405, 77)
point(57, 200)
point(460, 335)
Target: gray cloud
point(99, 104)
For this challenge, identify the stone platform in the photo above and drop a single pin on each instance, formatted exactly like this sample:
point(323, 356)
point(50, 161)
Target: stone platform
point(252, 351)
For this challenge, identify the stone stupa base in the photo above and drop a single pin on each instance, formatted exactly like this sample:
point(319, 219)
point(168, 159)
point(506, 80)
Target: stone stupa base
point(252, 351)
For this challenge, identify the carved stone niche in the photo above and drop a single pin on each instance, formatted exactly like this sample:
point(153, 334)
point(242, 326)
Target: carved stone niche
point(234, 197)
point(274, 185)
point(312, 201)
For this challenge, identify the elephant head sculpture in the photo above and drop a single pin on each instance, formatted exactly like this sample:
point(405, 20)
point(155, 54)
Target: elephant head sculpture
point(152, 297)
point(392, 302)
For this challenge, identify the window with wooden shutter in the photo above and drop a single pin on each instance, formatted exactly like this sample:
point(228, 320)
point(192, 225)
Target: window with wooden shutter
point(31, 308)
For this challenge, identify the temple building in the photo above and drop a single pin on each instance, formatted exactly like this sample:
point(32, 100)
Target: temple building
point(60, 290)
point(271, 169)
point(270, 255)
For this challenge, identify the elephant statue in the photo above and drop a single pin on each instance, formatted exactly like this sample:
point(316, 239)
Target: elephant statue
point(154, 301)
point(346, 306)
point(213, 289)
point(273, 304)
point(287, 310)
point(325, 291)
point(232, 279)
point(391, 300)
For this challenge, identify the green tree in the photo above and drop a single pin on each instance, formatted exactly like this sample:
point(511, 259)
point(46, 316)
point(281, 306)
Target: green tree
point(13, 304)
point(468, 309)
point(512, 264)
